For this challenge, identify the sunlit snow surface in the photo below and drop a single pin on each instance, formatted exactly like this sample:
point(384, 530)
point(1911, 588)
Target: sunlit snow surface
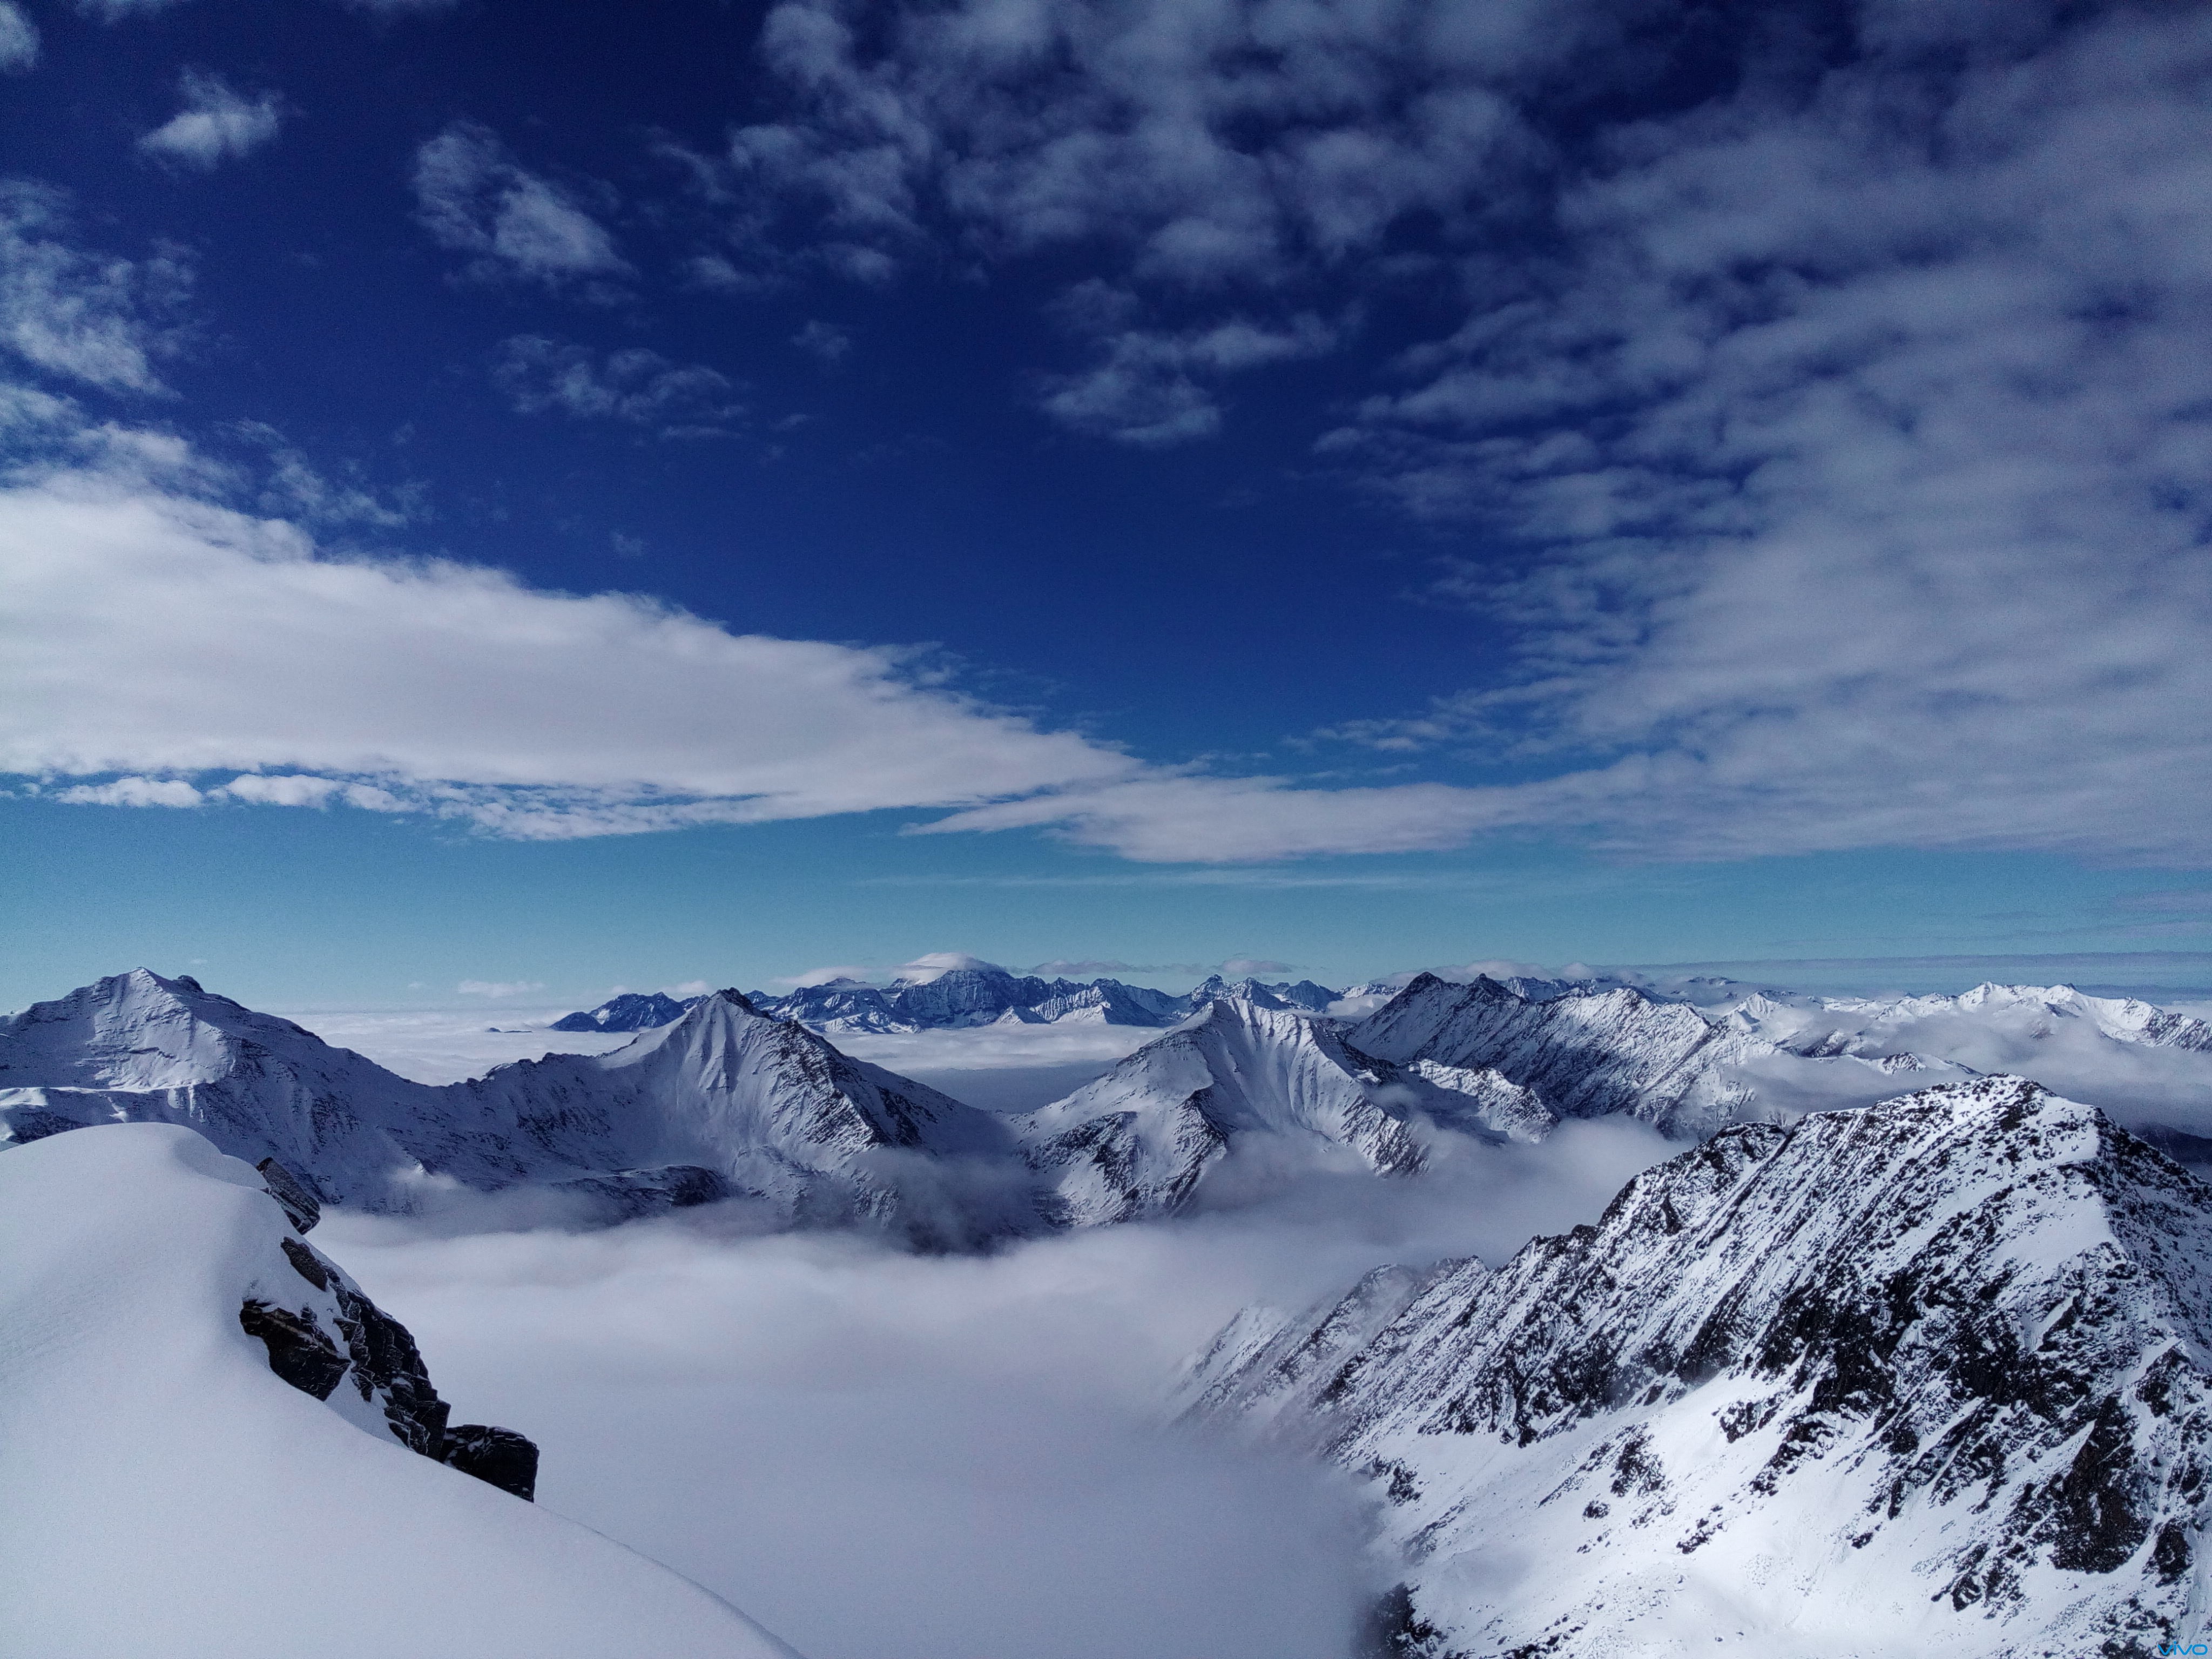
point(163, 1492)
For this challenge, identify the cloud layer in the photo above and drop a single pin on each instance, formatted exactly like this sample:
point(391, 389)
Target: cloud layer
point(973, 1451)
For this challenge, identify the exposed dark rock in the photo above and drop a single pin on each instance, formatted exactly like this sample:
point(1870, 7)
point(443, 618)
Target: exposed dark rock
point(499, 1456)
point(1392, 1629)
point(339, 1335)
point(289, 1190)
point(300, 1350)
point(28, 1123)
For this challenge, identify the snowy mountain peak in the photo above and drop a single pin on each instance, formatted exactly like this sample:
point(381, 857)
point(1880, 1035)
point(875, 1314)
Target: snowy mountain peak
point(1138, 1140)
point(132, 1030)
point(631, 1010)
point(724, 1101)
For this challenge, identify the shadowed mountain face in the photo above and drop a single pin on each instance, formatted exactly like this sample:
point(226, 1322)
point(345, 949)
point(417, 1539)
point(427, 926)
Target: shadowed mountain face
point(633, 1010)
point(1926, 1378)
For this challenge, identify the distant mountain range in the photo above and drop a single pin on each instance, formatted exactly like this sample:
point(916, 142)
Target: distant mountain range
point(952, 998)
point(735, 1100)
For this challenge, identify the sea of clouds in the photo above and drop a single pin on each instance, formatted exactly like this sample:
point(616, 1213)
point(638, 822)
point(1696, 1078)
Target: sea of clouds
point(952, 1456)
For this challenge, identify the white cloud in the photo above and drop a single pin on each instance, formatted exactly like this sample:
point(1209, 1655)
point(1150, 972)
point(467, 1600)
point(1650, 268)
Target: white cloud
point(472, 196)
point(1858, 442)
point(1174, 819)
point(299, 789)
point(91, 319)
point(1149, 387)
point(635, 385)
point(132, 792)
point(215, 124)
point(498, 989)
point(825, 977)
point(19, 40)
point(149, 632)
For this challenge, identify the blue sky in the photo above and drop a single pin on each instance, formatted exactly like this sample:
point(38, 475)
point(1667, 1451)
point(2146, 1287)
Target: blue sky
point(546, 496)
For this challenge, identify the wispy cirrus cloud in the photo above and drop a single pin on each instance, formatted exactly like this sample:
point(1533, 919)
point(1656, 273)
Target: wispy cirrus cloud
point(633, 386)
point(19, 40)
point(215, 125)
point(472, 196)
point(97, 320)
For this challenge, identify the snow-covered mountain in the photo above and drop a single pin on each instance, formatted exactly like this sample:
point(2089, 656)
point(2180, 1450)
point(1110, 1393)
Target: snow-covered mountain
point(971, 992)
point(1300, 993)
point(1759, 1055)
point(633, 1010)
point(214, 1446)
point(975, 993)
point(1927, 1377)
point(1139, 1141)
point(723, 1101)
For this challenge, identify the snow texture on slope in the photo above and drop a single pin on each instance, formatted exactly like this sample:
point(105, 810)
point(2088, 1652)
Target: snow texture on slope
point(1929, 1377)
point(166, 1492)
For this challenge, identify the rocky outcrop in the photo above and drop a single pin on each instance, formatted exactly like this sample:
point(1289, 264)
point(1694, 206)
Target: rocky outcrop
point(1927, 1377)
point(330, 1341)
point(499, 1456)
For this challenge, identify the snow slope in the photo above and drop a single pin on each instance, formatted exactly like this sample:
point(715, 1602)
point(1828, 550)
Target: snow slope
point(1929, 1377)
point(163, 1491)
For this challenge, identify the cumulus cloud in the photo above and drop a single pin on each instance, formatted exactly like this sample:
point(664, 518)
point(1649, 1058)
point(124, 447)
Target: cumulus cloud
point(96, 320)
point(498, 988)
point(215, 125)
point(1199, 145)
point(19, 40)
point(472, 196)
point(633, 386)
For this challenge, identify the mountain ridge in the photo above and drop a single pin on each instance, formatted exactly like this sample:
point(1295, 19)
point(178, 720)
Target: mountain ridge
point(1929, 1375)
